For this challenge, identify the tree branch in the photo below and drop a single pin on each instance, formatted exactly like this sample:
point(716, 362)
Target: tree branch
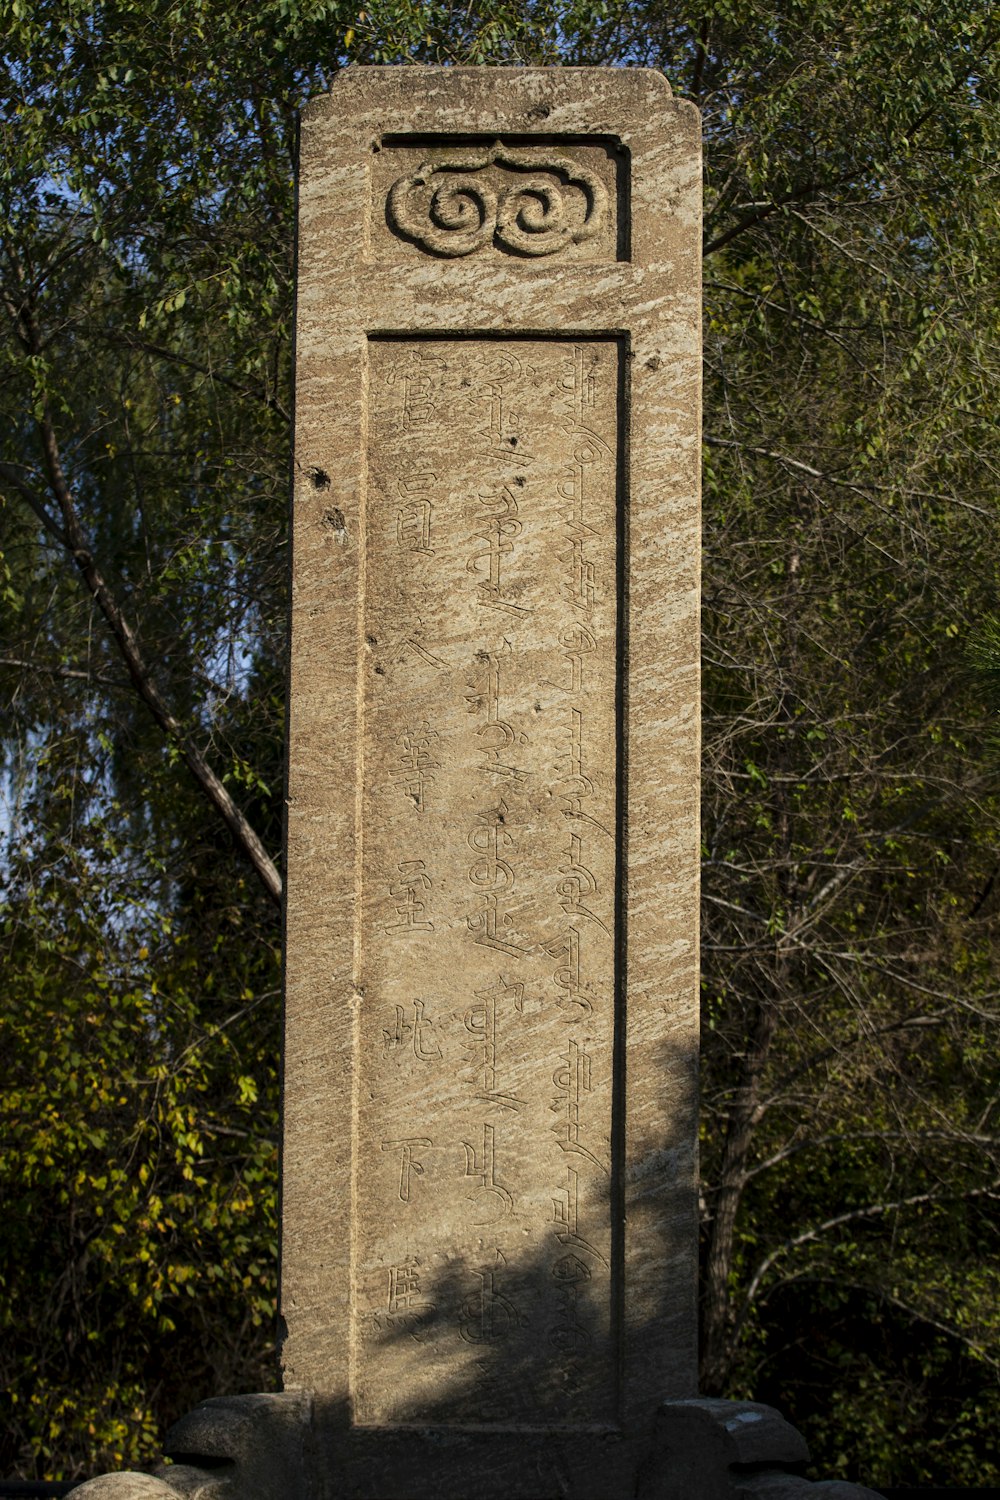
point(72, 538)
point(859, 487)
point(54, 671)
point(762, 211)
point(34, 503)
point(870, 1211)
point(159, 352)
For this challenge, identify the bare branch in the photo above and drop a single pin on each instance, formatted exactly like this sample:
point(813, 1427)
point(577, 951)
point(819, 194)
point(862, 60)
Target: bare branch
point(35, 504)
point(859, 487)
point(57, 671)
point(160, 352)
point(852, 1216)
point(762, 211)
point(71, 536)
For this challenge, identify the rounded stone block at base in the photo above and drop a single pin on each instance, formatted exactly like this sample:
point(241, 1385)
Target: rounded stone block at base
point(193, 1483)
point(276, 1447)
point(709, 1449)
point(247, 1447)
point(127, 1486)
point(839, 1489)
point(778, 1486)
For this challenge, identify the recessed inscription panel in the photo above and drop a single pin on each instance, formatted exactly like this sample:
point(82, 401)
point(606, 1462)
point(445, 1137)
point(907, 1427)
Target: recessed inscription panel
point(516, 198)
point(483, 1254)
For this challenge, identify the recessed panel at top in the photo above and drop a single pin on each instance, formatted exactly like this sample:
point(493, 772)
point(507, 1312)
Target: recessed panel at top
point(485, 1267)
point(517, 197)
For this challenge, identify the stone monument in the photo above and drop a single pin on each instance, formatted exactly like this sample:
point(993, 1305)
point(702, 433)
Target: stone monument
point(491, 1003)
point(489, 1233)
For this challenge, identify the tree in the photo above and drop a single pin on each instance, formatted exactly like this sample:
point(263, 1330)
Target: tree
point(850, 813)
point(146, 197)
point(851, 802)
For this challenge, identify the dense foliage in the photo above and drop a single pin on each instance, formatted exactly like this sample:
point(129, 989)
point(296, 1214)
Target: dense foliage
point(852, 786)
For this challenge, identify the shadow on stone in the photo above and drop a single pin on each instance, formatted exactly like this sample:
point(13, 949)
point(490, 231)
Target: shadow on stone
point(507, 1425)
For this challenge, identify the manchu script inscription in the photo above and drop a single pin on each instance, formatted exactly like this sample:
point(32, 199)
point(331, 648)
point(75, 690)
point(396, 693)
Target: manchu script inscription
point(483, 1254)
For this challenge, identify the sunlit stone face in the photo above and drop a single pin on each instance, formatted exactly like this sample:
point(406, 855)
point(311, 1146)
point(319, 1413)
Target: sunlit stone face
point(488, 893)
point(488, 1185)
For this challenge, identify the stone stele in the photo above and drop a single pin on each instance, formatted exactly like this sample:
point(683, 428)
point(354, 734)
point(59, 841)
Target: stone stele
point(489, 1212)
point(490, 1050)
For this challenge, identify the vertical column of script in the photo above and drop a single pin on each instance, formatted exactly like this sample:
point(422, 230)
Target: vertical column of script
point(487, 893)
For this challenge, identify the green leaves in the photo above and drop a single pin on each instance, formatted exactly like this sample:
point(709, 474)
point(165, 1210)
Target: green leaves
point(850, 804)
point(119, 1117)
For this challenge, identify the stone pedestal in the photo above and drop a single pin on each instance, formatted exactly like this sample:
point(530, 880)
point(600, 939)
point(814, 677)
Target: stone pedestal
point(286, 1448)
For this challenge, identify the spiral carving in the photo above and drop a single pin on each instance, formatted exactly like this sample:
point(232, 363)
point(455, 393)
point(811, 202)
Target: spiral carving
point(532, 217)
point(448, 209)
point(455, 217)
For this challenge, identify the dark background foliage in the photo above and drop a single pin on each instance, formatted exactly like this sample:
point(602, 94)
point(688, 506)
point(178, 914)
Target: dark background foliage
point(851, 778)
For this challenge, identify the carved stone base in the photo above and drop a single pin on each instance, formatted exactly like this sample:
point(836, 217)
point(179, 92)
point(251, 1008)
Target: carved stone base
point(707, 1449)
point(228, 1448)
point(266, 1448)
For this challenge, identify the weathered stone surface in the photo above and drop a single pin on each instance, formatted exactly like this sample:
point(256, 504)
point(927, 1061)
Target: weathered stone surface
point(740, 1432)
point(125, 1486)
point(290, 1447)
point(252, 1447)
point(839, 1489)
point(490, 1053)
point(194, 1483)
point(489, 1238)
point(703, 1443)
point(489, 1228)
point(708, 1449)
point(777, 1486)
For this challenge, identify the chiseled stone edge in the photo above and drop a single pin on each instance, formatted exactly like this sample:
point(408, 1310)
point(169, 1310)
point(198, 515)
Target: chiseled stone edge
point(259, 1447)
point(709, 1449)
point(652, 295)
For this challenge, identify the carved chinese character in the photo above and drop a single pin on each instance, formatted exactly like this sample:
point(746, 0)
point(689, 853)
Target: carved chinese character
point(413, 516)
point(405, 1307)
point(406, 892)
point(415, 763)
point(415, 378)
point(410, 1165)
point(417, 1034)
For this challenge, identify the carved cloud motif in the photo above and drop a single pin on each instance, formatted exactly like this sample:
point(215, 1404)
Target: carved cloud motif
point(448, 209)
